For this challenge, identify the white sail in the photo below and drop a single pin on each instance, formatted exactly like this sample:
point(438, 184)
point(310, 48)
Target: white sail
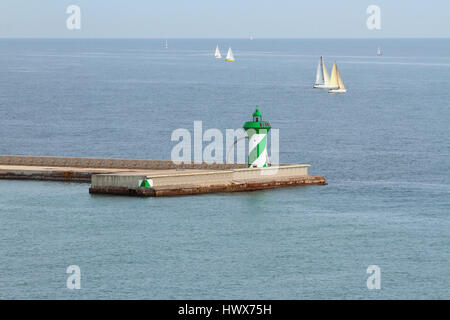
point(322, 77)
point(230, 56)
point(167, 45)
point(217, 54)
point(319, 74)
point(379, 51)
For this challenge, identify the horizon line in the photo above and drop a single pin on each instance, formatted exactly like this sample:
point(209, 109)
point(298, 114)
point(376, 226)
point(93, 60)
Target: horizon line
point(211, 38)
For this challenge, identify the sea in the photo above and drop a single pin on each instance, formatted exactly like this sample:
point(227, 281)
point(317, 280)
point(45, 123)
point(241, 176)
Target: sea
point(383, 148)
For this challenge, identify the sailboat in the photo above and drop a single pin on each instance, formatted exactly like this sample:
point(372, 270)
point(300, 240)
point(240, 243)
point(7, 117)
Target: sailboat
point(336, 84)
point(167, 45)
point(230, 57)
point(322, 77)
point(217, 54)
point(379, 52)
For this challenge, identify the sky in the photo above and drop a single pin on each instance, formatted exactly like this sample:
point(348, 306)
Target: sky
point(224, 19)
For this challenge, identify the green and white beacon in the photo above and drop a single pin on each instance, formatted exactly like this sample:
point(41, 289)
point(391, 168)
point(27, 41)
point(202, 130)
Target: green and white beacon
point(257, 141)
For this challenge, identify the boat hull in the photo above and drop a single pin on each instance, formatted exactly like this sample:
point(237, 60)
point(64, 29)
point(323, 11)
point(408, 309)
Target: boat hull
point(230, 60)
point(337, 91)
point(321, 86)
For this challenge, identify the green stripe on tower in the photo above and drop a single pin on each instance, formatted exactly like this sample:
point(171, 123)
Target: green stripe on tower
point(259, 150)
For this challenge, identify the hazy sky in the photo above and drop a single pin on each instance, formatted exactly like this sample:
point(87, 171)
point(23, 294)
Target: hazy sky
point(224, 19)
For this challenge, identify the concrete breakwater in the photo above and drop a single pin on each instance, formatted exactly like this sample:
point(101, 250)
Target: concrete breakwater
point(124, 176)
point(77, 162)
point(76, 169)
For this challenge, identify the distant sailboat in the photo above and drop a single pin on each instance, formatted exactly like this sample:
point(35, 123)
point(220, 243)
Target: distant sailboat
point(251, 37)
point(336, 84)
point(379, 52)
point(322, 77)
point(230, 57)
point(217, 54)
point(167, 45)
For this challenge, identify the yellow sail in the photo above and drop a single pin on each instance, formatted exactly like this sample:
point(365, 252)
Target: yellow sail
point(334, 77)
point(340, 83)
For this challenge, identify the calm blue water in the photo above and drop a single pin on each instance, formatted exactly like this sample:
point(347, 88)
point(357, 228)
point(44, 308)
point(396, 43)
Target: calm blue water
point(383, 147)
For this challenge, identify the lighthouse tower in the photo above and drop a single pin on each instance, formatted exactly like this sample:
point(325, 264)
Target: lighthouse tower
point(257, 141)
